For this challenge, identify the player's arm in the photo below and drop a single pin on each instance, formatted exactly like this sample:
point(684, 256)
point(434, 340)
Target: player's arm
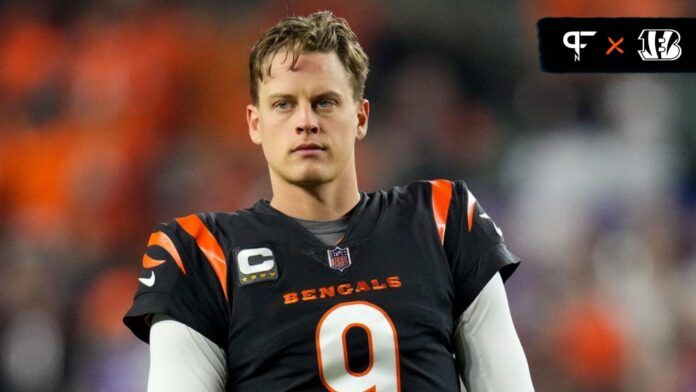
point(182, 359)
point(486, 344)
point(179, 279)
point(487, 348)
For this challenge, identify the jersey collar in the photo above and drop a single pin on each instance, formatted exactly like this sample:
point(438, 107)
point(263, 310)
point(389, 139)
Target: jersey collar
point(364, 217)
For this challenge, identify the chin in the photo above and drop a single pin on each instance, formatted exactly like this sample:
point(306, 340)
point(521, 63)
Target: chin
point(310, 177)
point(311, 180)
point(308, 174)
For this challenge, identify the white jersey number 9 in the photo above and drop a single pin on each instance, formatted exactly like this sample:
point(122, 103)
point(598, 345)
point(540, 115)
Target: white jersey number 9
point(382, 372)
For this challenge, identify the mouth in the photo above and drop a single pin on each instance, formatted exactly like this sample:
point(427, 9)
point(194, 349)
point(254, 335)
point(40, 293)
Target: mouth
point(308, 148)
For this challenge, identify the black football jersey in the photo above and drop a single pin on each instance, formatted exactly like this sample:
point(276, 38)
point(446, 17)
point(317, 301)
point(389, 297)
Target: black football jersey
point(376, 312)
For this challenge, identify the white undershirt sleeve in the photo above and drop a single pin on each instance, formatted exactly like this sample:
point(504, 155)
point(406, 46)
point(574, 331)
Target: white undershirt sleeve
point(183, 360)
point(489, 352)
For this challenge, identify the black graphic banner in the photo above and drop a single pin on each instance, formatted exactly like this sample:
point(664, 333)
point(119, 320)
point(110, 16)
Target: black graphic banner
point(617, 44)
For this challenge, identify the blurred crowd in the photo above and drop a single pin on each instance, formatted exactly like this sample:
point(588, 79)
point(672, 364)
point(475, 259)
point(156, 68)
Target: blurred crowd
point(117, 115)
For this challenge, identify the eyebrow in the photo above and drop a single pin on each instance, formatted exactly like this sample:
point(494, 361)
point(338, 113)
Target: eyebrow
point(326, 94)
point(282, 96)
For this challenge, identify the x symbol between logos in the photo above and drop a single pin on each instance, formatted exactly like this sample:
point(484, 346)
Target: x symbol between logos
point(615, 45)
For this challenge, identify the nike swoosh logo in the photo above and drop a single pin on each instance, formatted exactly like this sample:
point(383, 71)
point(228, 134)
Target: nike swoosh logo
point(149, 282)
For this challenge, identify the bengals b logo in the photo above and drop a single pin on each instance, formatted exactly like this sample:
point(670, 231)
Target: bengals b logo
point(660, 45)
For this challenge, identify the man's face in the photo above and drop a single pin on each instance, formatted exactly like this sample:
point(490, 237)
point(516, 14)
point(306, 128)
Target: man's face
point(307, 120)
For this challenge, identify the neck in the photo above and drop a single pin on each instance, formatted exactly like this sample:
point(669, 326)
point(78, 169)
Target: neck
point(322, 202)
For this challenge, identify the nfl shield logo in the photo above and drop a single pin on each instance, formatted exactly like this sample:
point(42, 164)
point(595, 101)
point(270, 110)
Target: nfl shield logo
point(339, 258)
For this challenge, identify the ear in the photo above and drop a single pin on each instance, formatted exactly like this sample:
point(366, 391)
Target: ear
point(363, 117)
point(252, 116)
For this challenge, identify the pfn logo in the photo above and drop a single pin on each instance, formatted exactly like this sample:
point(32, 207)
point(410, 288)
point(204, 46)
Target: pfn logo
point(662, 45)
point(576, 45)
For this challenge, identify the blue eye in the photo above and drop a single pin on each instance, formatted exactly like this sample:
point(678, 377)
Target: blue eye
point(282, 105)
point(326, 103)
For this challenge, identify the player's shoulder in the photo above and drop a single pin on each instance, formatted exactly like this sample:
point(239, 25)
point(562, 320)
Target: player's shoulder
point(211, 220)
point(192, 228)
point(427, 190)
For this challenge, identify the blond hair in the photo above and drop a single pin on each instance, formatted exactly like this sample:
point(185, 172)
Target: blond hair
point(319, 32)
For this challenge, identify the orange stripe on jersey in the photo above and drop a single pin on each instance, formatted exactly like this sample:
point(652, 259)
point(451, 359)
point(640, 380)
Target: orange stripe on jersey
point(470, 208)
point(207, 243)
point(442, 194)
point(149, 262)
point(161, 239)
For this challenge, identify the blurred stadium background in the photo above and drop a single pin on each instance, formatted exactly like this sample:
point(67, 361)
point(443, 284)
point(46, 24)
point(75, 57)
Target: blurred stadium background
point(117, 115)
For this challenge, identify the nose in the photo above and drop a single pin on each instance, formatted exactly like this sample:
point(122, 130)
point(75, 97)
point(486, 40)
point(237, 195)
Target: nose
point(307, 121)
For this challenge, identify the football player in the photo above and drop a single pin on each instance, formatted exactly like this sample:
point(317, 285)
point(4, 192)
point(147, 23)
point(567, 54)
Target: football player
point(326, 287)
